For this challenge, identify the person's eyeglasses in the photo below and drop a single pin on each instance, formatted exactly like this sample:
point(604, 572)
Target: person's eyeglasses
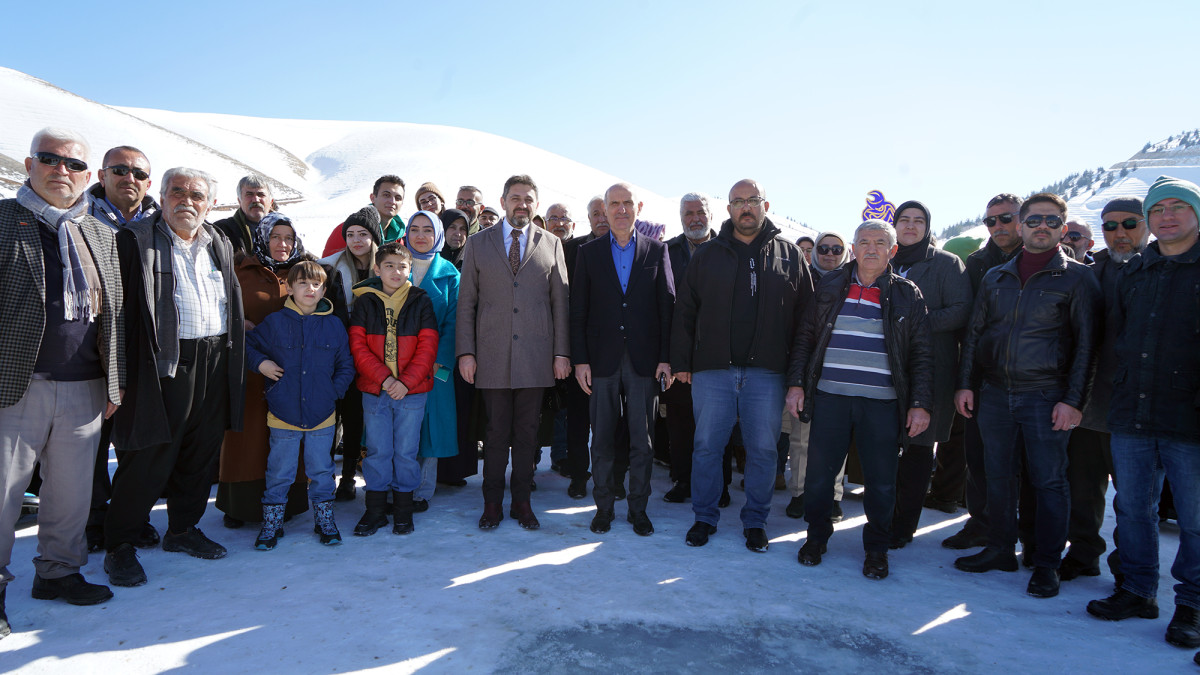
point(1073, 237)
point(194, 195)
point(1159, 210)
point(825, 249)
point(427, 199)
point(1052, 222)
point(122, 170)
point(753, 202)
point(465, 202)
point(558, 219)
point(1128, 223)
point(1005, 218)
point(51, 159)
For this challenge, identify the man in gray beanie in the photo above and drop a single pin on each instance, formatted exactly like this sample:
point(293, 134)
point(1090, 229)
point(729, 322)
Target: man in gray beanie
point(1154, 416)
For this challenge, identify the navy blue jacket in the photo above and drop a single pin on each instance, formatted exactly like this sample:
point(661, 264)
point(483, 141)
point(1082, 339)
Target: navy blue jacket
point(313, 351)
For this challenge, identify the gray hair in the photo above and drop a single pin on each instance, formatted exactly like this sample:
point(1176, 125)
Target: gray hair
point(254, 180)
point(633, 194)
point(694, 197)
point(62, 136)
point(873, 225)
point(566, 209)
point(191, 174)
point(597, 198)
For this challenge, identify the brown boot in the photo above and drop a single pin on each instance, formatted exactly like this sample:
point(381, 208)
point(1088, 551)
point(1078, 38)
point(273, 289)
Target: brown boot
point(523, 512)
point(492, 515)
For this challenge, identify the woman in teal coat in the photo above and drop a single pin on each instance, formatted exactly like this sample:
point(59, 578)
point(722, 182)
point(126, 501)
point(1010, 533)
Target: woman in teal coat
point(439, 278)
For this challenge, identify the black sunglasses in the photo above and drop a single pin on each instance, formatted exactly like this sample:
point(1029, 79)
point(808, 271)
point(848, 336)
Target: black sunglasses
point(1073, 236)
point(51, 159)
point(122, 170)
point(1052, 222)
point(825, 249)
point(1128, 223)
point(1005, 218)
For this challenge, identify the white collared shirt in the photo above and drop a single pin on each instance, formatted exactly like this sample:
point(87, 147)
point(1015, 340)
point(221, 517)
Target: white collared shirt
point(199, 288)
point(508, 230)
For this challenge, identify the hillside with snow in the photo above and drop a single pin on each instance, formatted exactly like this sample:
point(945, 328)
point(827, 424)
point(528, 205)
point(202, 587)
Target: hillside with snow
point(321, 170)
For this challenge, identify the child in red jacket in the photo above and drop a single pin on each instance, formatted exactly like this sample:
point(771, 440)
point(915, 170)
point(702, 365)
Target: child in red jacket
point(393, 337)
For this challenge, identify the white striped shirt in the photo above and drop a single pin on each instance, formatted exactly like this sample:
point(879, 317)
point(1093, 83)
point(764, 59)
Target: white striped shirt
point(199, 287)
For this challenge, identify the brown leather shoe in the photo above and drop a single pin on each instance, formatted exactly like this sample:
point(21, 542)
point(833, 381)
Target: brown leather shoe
point(492, 515)
point(523, 512)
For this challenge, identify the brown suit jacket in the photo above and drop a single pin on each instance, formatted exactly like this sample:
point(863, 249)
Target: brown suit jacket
point(514, 325)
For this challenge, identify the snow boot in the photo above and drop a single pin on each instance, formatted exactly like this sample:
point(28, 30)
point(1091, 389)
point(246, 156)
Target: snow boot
point(375, 516)
point(272, 527)
point(402, 512)
point(324, 524)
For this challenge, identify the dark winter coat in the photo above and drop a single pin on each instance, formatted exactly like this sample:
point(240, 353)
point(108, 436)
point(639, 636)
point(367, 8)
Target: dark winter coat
point(99, 208)
point(1095, 414)
point(906, 333)
point(681, 255)
point(1042, 336)
point(314, 352)
point(945, 288)
point(700, 334)
point(416, 338)
point(1157, 384)
point(979, 262)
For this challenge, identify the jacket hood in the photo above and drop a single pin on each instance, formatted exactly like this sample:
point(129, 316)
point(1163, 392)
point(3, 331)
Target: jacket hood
point(324, 306)
point(768, 231)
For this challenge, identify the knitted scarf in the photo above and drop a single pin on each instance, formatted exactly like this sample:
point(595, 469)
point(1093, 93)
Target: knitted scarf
point(81, 281)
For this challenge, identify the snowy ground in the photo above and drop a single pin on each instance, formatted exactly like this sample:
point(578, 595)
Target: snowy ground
point(451, 598)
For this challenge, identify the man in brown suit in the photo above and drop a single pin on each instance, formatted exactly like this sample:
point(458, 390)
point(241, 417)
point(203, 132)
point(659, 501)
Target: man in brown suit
point(512, 341)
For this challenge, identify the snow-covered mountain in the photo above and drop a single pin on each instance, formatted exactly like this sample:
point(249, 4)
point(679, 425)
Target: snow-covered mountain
point(321, 170)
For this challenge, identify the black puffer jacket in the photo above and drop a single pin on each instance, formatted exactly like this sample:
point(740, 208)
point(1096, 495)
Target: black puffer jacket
point(700, 330)
point(1157, 384)
point(905, 329)
point(1042, 336)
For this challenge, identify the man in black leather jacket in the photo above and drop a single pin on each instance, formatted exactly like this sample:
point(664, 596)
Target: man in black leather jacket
point(1032, 340)
point(863, 354)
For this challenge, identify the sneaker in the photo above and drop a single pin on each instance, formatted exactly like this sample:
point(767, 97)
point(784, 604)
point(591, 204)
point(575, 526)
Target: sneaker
point(836, 515)
point(965, 539)
point(1073, 569)
point(1184, 629)
point(602, 521)
point(641, 524)
point(1043, 583)
point(876, 565)
point(193, 542)
point(1123, 605)
point(986, 561)
point(577, 489)
point(698, 534)
point(122, 566)
point(756, 539)
point(73, 588)
point(795, 508)
point(810, 553)
point(679, 493)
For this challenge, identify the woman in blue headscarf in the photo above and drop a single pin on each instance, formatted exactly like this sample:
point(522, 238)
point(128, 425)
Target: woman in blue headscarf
point(438, 277)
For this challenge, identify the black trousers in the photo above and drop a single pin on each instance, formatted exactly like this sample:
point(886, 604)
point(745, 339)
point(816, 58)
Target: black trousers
point(1089, 457)
point(350, 414)
point(578, 428)
point(681, 427)
point(976, 485)
point(950, 474)
point(624, 394)
point(197, 405)
point(512, 421)
point(912, 481)
point(466, 462)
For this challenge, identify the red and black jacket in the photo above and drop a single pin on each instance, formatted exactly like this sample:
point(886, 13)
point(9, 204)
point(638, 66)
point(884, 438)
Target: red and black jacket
point(415, 328)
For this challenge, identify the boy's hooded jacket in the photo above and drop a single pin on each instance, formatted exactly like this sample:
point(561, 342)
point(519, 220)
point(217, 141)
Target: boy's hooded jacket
point(393, 336)
point(314, 353)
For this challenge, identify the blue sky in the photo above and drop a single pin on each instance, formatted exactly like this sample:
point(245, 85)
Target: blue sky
point(946, 102)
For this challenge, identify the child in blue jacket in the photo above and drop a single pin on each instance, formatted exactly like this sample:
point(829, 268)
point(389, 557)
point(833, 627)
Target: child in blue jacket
point(304, 353)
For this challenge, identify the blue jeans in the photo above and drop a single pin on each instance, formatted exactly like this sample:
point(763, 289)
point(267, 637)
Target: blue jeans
point(1139, 464)
point(720, 398)
point(285, 455)
point(1003, 418)
point(393, 439)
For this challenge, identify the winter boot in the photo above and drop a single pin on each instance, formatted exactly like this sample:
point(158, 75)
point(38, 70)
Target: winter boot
point(272, 527)
point(375, 516)
point(324, 524)
point(402, 512)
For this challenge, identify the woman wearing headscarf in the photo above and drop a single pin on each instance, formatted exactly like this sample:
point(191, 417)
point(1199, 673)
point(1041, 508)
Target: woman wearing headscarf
point(435, 275)
point(457, 225)
point(262, 274)
point(946, 288)
point(830, 253)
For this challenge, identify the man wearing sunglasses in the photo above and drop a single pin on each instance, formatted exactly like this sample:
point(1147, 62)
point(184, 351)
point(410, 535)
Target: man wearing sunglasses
point(1077, 236)
point(1155, 412)
point(1032, 340)
point(1004, 242)
point(120, 195)
point(63, 349)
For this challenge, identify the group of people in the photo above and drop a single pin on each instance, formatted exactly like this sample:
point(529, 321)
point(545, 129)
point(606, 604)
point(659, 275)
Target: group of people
point(1018, 377)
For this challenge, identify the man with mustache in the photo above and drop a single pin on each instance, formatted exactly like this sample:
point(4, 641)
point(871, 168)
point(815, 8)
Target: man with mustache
point(255, 200)
point(119, 196)
point(186, 338)
point(1032, 341)
point(470, 202)
point(730, 336)
point(63, 350)
point(512, 341)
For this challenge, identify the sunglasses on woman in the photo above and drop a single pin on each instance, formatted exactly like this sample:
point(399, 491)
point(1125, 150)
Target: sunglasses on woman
point(825, 249)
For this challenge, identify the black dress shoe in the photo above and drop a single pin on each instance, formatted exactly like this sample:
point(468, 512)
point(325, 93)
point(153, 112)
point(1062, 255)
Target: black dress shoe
point(602, 521)
point(836, 515)
point(123, 567)
point(725, 498)
point(641, 524)
point(420, 505)
point(936, 504)
point(965, 539)
point(73, 588)
point(810, 553)
point(1043, 583)
point(193, 542)
point(795, 508)
point(1073, 569)
point(1123, 605)
point(875, 566)
point(680, 492)
point(232, 523)
point(986, 561)
point(1184, 629)
point(756, 539)
point(698, 534)
point(578, 488)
